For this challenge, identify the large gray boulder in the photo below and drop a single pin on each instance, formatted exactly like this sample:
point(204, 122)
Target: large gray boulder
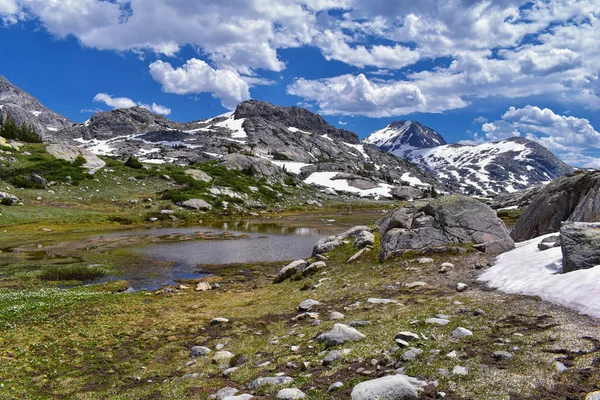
point(259, 166)
point(329, 243)
point(392, 387)
point(574, 198)
point(446, 221)
point(196, 204)
point(580, 245)
point(71, 153)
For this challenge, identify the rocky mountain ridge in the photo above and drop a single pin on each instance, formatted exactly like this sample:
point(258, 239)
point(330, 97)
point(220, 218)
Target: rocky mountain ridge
point(270, 139)
point(26, 109)
point(486, 169)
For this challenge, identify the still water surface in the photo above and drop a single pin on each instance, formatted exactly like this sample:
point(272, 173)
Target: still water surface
point(266, 242)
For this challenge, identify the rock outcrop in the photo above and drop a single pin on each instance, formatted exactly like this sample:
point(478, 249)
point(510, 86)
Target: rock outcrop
point(447, 221)
point(71, 153)
point(574, 198)
point(396, 387)
point(580, 245)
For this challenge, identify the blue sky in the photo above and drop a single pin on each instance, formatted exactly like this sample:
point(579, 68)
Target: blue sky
point(475, 71)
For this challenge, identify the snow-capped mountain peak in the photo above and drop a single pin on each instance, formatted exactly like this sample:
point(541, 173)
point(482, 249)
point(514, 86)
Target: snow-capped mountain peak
point(400, 136)
point(486, 169)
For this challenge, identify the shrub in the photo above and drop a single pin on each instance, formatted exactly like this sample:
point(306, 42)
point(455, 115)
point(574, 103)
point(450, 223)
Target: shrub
point(133, 162)
point(71, 273)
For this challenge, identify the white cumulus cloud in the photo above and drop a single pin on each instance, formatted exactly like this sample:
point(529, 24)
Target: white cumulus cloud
point(126, 102)
point(564, 134)
point(196, 76)
point(351, 95)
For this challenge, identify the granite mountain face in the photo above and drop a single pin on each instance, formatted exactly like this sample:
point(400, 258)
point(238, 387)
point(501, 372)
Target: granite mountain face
point(26, 109)
point(486, 169)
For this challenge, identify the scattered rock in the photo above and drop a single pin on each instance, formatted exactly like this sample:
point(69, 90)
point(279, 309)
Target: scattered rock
point(461, 287)
point(458, 370)
point(198, 351)
point(407, 336)
point(339, 334)
point(593, 396)
point(502, 355)
point(225, 392)
point(425, 260)
point(313, 268)
point(219, 320)
point(415, 284)
point(244, 396)
point(271, 380)
point(357, 255)
point(222, 357)
point(359, 323)
point(196, 204)
point(203, 287)
point(373, 300)
point(333, 356)
point(306, 305)
point(437, 321)
point(396, 387)
point(335, 386)
point(460, 333)
point(335, 315)
point(290, 270)
point(411, 354)
point(290, 394)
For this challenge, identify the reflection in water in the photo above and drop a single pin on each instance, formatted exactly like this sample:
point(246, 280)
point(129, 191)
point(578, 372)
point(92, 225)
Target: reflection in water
point(265, 243)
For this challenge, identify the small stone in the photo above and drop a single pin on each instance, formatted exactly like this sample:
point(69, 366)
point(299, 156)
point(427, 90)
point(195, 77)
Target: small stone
point(336, 315)
point(229, 371)
point(335, 386)
point(203, 287)
point(447, 265)
point(452, 354)
point(407, 336)
point(417, 284)
point(307, 304)
point(373, 300)
point(333, 356)
point(461, 287)
point(219, 346)
point(411, 354)
point(219, 320)
point(225, 392)
point(295, 349)
point(425, 260)
point(272, 380)
point(478, 312)
point(359, 323)
point(437, 321)
point(401, 343)
point(222, 357)
point(458, 370)
point(198, 351)
point(339, 334)
point(460, 333)
point(502, 355)
point(290, 394)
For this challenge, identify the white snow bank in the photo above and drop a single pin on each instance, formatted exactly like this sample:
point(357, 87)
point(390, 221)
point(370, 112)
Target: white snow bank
point(326, 179)
point(530, 271)
point(291, 166)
